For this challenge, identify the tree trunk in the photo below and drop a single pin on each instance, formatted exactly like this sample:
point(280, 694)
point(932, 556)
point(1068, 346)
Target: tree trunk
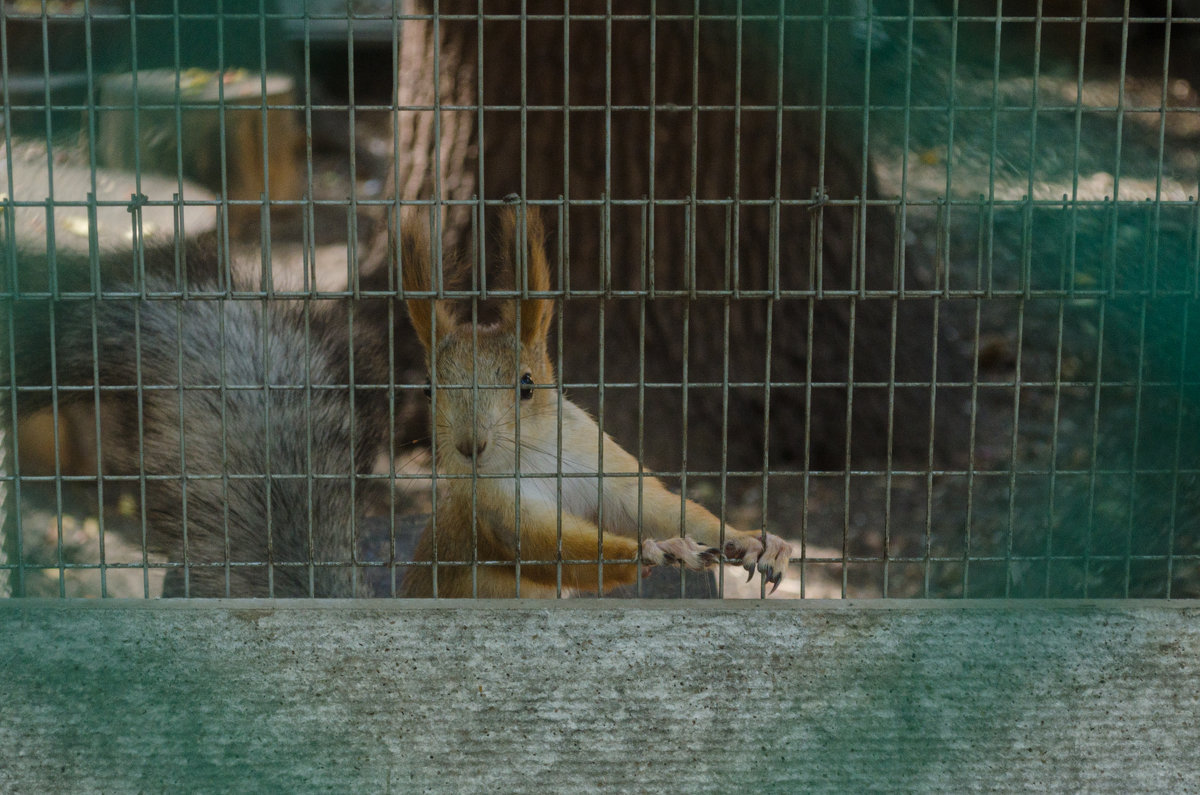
point(677, 171)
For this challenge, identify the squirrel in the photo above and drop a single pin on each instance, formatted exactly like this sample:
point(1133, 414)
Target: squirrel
point(497, 413)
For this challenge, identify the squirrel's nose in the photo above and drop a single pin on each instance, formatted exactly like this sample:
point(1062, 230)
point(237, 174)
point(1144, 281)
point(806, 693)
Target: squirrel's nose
point(467, 449)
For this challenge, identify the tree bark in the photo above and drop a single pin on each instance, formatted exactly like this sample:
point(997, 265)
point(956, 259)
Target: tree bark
point(678, 171)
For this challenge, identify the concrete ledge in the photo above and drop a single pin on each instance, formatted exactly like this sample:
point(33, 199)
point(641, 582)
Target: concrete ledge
point(517, 696)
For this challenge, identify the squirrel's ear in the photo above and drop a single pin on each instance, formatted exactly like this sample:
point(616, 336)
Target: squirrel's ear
point(431, 318)
point(536, 313)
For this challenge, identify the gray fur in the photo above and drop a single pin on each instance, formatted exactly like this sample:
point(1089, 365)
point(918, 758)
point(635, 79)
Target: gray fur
point(220, 380)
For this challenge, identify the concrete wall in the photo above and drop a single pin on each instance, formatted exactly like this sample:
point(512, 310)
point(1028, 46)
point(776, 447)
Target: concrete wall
point(630, 696)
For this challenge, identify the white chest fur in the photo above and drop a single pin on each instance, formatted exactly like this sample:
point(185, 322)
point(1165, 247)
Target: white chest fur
point(556, 482)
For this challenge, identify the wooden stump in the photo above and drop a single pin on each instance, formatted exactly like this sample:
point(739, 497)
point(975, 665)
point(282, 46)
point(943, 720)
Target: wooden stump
point(75, 229)
point(201, 120)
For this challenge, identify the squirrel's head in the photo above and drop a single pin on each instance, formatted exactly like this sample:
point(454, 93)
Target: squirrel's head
point(489, 384)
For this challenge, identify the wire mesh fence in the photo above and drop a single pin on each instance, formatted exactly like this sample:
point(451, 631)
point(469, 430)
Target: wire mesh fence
point(883, 299)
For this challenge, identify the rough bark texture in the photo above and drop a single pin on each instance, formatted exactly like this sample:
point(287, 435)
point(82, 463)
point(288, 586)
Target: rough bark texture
point(672, 148)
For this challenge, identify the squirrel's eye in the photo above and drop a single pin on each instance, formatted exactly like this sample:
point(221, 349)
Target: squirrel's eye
point(526, 386)
point(428, 389)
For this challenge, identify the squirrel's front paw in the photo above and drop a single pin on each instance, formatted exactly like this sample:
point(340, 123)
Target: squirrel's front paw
point(771, 559)
point(680, 550)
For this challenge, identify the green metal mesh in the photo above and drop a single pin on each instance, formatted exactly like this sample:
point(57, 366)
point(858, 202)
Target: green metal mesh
point(997, 238)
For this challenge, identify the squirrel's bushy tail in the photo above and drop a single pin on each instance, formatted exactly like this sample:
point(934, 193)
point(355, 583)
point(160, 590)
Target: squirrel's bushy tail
point(228, 419)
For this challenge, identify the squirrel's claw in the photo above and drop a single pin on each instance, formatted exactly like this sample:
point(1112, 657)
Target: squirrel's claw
point(770, 559)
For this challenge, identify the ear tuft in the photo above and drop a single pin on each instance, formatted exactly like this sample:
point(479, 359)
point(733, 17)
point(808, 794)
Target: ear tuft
point(416, 275)
point(536, 313)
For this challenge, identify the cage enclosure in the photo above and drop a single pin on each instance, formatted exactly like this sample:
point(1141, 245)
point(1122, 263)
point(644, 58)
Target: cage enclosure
point(908, 286)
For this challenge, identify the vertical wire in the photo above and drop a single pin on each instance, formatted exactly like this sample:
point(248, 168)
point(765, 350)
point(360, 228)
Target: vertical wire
point(766, 438)
point(736, 155)
point(857, 282)
point(689, 277)
point(479, 279)
point(268, 484)
point(606, 262)
point(1095, 445)
point(309, 440)
point(1137, 439)
point(267, 286)
point(989, 253)
point(1162, 134)
point(971, 459)
point(563, 210)
point(1014, 441)
point(474, 386)
point(1051, 505)
point(807, 491)
point(7, 506)
point(773, 275)
point(819, 193)
point(1154, 259)
point(641, 402)
point(94, 276)
point(12, 468)
point(308, 243)
point(601, 332)
point(10, 522)
point(390, 479)
point(9, 471)
point(732, 271)
point(648, 267)
point(1195, 242)
point(310, 287)
point(52, 267)
point(1118, 143)
point(268, 277)
point(355, 286)
point(689, 238)
point(951, 107)
point(858, 273)
point(183, 467)
point(181, 284)
point(434, 275)
point(438, 205)
point(521, 277)
point(1026, 276)
point(900, 254)
point(1179, 412)
point(141, 441)
point(891, 432)
point(223, 392)
point(722, 515)
point(558, 411)
point(222, 151)
point(55, 416)
point(435, 242)
point(223, 161)
point(929, 461)
point(898, 268)
point(846, 452)
point(352, 379)
point(1076, 153)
